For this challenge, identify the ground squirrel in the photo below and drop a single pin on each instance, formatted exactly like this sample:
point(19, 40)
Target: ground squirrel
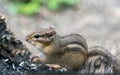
point(69, 51)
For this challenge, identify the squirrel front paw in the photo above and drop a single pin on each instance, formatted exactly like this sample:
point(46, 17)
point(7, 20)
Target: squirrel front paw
point(35, 59)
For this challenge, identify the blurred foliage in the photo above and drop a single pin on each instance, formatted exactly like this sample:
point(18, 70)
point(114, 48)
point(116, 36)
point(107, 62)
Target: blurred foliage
point(29, 7)
point(56, 4)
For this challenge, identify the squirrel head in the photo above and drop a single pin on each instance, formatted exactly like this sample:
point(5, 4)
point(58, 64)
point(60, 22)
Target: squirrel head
point(41, 37)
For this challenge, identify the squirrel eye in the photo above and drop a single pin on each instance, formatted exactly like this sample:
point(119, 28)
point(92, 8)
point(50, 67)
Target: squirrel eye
point(36, 36)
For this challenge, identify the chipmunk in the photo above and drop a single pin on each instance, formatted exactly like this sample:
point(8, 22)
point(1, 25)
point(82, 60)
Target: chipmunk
point(69, 51)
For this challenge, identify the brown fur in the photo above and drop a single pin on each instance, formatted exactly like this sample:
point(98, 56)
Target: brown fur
point(70, 53)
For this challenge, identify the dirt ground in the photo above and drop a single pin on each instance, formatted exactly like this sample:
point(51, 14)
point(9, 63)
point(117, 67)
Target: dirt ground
point(97, 20)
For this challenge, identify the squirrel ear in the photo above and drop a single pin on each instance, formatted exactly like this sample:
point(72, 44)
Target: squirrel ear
point(52, 27)
point(2, 17)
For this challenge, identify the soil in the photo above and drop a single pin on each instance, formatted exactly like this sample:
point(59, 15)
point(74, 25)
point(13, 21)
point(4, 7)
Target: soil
point(97, 20)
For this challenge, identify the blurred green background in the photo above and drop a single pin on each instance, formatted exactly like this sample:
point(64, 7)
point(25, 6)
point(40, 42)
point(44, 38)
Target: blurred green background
point(30, 7)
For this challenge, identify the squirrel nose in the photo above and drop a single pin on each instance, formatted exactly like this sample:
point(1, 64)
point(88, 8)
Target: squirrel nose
point(27, 38)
